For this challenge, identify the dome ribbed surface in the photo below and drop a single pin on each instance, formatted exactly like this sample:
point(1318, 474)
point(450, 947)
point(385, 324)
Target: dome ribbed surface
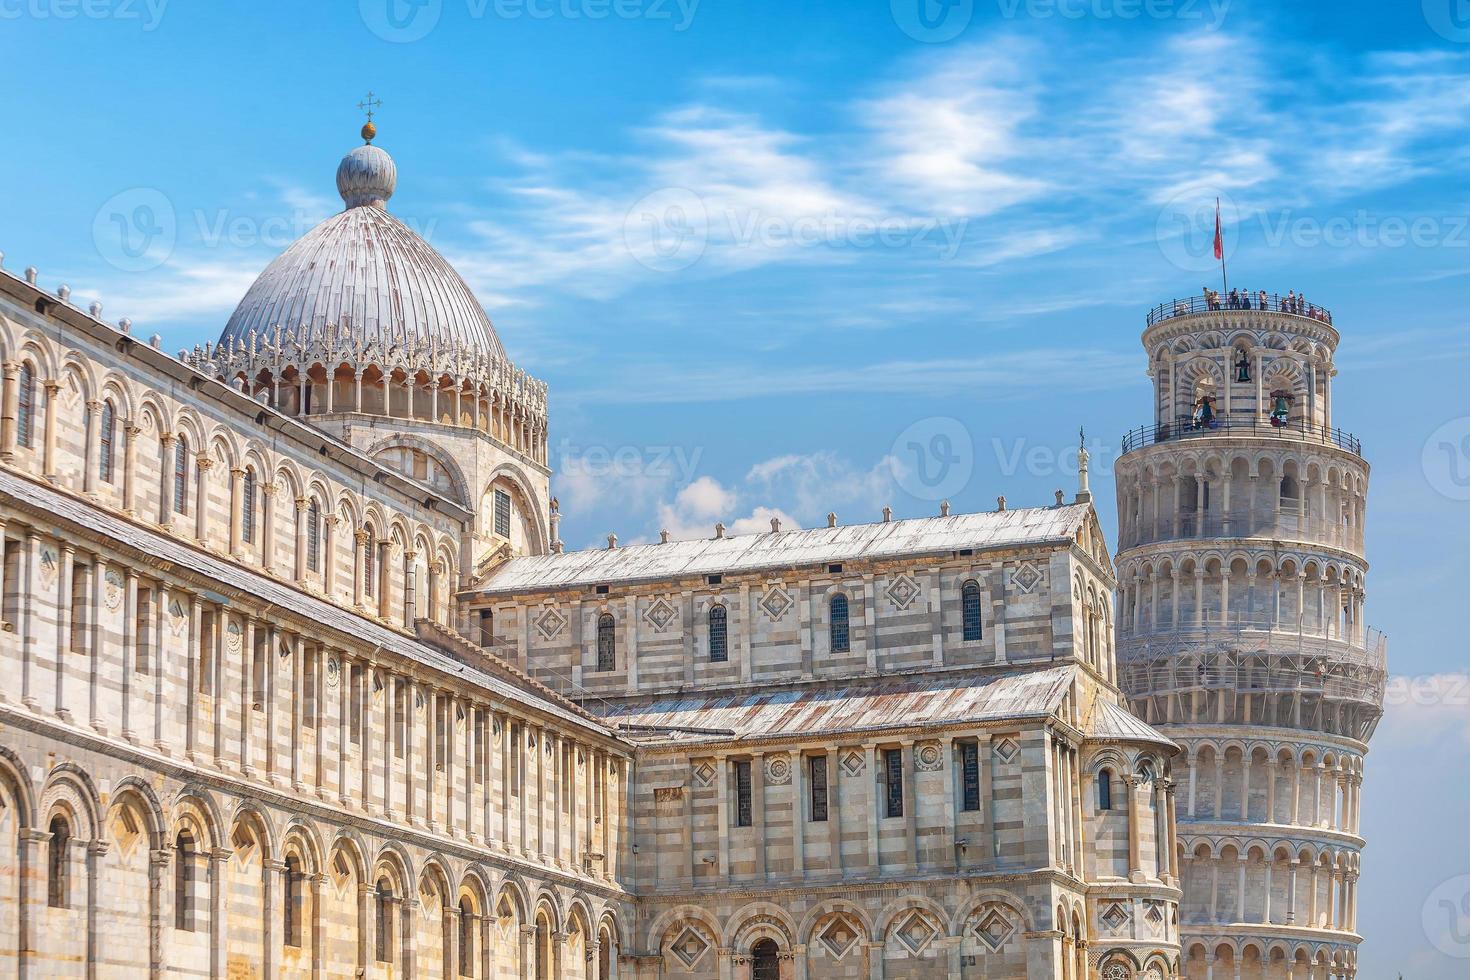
point(367, 274)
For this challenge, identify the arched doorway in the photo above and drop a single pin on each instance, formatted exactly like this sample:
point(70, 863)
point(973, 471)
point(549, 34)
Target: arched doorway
point(543, 948)
point(765, 964)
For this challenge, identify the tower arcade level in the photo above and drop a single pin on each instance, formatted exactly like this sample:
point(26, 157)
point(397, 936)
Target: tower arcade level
point(1242, 576)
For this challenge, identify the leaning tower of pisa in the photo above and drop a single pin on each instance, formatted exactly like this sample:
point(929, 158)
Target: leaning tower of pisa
point(1241, 585)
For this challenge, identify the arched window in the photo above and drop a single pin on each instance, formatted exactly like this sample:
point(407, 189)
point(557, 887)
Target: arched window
point(1105, 789)
point(107, 432)
point(970, 610)
point(247, 506)
point(313, 536)
point(181, 475)
point(25, 416)
point(384, 920)
point(607, 639)
point(58, 857)
point(543, 948)
point(765, 961)
point(184, 881)
point(466, 938)
point(719, 647)
point(369, 546)
point(837, 624)
point(291, 901)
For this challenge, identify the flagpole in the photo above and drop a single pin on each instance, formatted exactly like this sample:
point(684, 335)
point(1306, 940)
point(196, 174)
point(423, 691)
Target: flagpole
point(1224, 280)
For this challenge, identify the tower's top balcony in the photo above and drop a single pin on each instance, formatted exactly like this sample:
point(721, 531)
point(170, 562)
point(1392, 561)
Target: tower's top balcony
point(1185, 427)
point(1237, 301)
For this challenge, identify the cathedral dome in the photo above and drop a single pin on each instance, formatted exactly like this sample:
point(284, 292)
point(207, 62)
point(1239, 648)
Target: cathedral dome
point(365, 277)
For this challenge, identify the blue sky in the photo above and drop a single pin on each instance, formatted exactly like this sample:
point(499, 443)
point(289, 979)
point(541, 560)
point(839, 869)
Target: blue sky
point(760, 250)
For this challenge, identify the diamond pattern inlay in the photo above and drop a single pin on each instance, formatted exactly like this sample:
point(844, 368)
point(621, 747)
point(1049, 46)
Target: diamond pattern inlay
point(660, 614)
point(917, 932)
point(839, 937)
point(1006, 749)
point(994, 929)
point(1026, 577)
point(550, 623)
point(689, 947)
point(1115, 917)
point(775, 602)
point(903, 592)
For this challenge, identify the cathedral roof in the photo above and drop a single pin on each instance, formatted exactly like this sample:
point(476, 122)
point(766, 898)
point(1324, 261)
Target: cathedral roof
point(364, 275)
point(915, 701)
point(787, 549)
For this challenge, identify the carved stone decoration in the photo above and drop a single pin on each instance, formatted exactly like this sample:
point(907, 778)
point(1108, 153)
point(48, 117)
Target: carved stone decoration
point(916, 932)
point(660, 614)
point(776, 602)
point(1026, 576)
point(334, 671)
point(704, 773)
point(50, 565)
point(930, 757)
point(234, 635)
point(993, 926)
point(1115, 918)
point(1006, 750)
point(853, 763)
point(550, 623)
point(689, 947)
point(178, 619)
point(668, 794)
point(840, 936)
point(778, 770)
point(113, 588)
point(903, 591)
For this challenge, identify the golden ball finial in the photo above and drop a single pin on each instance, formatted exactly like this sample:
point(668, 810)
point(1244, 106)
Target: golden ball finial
point(368, 132)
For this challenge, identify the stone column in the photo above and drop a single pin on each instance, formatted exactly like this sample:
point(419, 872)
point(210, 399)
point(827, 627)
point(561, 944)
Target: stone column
point(410, 600)
point(344, 735)
point(268, 526)
point(359, 593)
point(302, 503)
point(131, 432)
point(48, 450)
point(9, 410)
point(272, 654)
point(202, 462)
point(798, 821)
point(1135, 855)
point(237, 510)
point(165, 480)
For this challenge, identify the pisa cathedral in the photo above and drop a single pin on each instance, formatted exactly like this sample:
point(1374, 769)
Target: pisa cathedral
point(303, 683)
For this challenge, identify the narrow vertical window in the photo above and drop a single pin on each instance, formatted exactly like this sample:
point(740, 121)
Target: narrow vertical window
point(487, 627)
point(515, 760)
point(893, 776)
point(78, 608)
point(184, 881)
point(400, 724)
point(313, 536)
point(502, 513)
point(742, 793)
point(25, 417)
point(607, 629)
point(107, 432)
point(817, 766)
point(369, 545)
point(207, 626)
point(384, 899)
point(142, 631)
point(181, 476)
point(354, 710)
point(247, 506)
point(970, 609)
point(1105, 789)
point(970, 776)
point(466, 938)
point(837, 625)
point(58, 857)
point(308, 687)
point(259, 662)
point(718, 637)
point(291, 901)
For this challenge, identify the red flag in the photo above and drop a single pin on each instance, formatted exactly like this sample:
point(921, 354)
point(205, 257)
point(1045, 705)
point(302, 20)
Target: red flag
point(1219, 238)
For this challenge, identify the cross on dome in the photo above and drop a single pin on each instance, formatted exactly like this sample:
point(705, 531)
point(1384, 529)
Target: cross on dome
point(369, 105)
